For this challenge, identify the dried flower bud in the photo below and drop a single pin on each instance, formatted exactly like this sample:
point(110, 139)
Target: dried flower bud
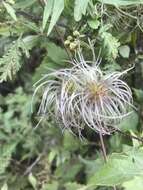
point(73, 46)
point(76, 33)
point(67, 42)
point(69, 38)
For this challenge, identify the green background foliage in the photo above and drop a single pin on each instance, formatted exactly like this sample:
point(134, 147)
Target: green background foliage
point(37, 36)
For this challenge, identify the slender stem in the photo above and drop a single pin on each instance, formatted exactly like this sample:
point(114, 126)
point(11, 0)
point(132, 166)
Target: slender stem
point(103, 146)
point(131, 136)
point(104, 151)
point(29, 169)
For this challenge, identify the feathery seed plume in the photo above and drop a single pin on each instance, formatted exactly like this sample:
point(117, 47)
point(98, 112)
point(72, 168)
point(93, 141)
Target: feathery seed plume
point(83, 95)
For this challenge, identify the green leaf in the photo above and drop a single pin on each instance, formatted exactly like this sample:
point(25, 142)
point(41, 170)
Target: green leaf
point(10, 10)
point(24, 4)
point(139, 95)
point(71, 169)
point(56, 12)
point(119, 169)
point(112, 67)
point(59, 57)
point(70, 143)
point(91, 166)
point(10, 62)
point(30, 25)
point(52, 60)
point(30, 41)
point(6, 151)
point(76, 186)
point(52, 155)
point(122, 2)
point(124, 51)
point(47, 11)
point(80, 8)
point(110, 43)
point(136, 183)
point(93, 23)
point(32, 180)
point(116, 142)
point(129, 123)
point(51, 186)
point(4, 187)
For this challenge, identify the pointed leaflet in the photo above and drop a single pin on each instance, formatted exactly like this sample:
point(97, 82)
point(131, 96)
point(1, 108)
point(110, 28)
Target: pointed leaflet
point(10, 10)
point(56, 12)
point(47, 11)
point(80, 8)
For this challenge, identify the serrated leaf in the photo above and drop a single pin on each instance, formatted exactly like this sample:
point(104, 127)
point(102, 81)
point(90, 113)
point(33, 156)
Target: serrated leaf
point(59, 57)
point(10, 62)
point(56, 12)
point(80, 8)
point(124, 51)
point(119, 169)
point(136, 183)
point(91, 166)
point(10, 10)
point(6, 151)
point(110, 43)
point(47, 11)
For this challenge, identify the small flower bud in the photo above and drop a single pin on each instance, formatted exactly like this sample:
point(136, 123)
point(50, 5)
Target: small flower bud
point(76, 33)
point(73, 46)
point(67, 42)
point(69, 38)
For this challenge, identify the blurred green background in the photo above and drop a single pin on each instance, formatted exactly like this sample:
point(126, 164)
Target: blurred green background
point(34, 37)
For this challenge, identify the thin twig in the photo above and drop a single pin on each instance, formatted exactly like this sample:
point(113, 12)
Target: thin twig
point(131, 136)
point(29, 169)
point(29, 16)
point(62, 40)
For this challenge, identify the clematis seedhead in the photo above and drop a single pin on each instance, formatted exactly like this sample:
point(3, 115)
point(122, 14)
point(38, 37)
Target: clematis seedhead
point(85, 96)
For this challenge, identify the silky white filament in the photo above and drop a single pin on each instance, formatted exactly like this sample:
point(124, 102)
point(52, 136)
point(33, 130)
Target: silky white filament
point(83, 96)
